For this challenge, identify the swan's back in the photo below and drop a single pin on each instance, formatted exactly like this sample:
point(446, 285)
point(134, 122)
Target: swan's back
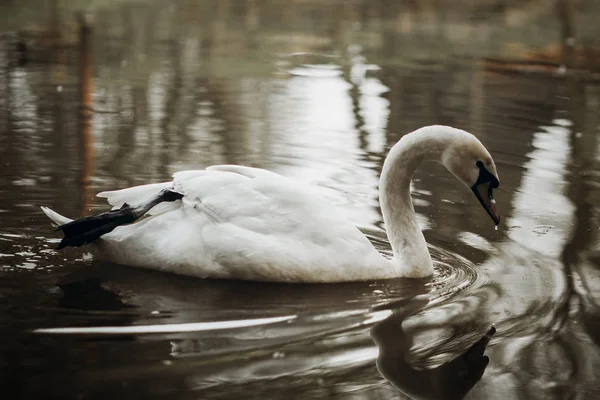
point(245, 223)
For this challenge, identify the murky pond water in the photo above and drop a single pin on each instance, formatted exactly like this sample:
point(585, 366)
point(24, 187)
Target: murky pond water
point(317, 91)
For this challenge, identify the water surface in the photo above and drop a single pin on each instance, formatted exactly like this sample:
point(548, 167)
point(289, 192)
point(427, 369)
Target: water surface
point(318, 92)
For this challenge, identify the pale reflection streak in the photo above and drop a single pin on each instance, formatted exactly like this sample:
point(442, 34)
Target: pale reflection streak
point(25, 119)
point(159, 83)
point(315, 135)
point(22, 101)
point(375, 111)
point(164, 328)
point(205, 148)
point(253, 97)
point(541, 217)
point(341, 339)
point(317, 143)
point(534, 286)
point(542, 213)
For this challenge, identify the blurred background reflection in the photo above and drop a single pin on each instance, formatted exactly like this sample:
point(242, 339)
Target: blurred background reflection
point(97, 95)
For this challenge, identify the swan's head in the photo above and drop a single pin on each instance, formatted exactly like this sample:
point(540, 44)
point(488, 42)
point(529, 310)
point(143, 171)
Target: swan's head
point(473, 165)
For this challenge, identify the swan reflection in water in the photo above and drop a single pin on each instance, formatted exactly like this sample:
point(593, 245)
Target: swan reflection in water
point(451, 380)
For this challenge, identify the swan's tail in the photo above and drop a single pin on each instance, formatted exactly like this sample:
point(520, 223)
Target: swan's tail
point(85, 230)
point(56, 217)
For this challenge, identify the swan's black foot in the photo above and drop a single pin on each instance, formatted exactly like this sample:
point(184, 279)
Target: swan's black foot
point(85, 230)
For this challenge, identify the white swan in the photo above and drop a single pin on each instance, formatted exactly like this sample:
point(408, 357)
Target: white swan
point(238, 222)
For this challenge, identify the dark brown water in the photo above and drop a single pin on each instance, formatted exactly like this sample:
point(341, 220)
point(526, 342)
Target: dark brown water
point(317, 91)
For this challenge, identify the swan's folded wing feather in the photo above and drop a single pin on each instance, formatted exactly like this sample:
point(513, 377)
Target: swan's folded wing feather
point(262, 202)
point(139, 194)
point(249, 172)
point(245, 223)
point(133, 195)
point(249, 198)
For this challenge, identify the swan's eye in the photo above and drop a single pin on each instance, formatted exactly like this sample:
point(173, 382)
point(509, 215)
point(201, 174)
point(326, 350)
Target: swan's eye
point(479, 164)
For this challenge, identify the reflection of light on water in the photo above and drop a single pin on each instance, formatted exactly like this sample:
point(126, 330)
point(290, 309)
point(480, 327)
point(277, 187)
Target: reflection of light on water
point(375, 111)
point(476, 241)
point(318, 139)
point(157, 90)
point(316, 71)
point(340, 347)
point(528, 278)
point(281, 365)
point(165, 328)
point(518, 283)
point(377, 316)
point(542, 212)
point(205, 147)
point(27, 265)
point(23, 101)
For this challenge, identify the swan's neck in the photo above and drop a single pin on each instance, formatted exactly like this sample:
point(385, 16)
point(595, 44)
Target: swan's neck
point(411, 256)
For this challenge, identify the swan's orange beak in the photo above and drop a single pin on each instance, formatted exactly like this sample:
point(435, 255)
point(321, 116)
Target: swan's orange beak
point(484, 188)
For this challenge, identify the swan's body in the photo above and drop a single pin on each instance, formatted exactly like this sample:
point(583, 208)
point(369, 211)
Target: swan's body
point(248, 223)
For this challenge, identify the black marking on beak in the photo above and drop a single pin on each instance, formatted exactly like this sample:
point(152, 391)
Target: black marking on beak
point(484, 188)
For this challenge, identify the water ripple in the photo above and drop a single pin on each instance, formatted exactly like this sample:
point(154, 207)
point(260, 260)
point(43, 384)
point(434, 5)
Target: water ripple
point(165, 328)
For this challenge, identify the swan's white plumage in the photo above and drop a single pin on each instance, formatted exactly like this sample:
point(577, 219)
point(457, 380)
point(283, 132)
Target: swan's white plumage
point(56, 217)
point(246, 223)
point(134, 195)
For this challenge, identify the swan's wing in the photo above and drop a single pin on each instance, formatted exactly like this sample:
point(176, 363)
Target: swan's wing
point(133, 195)
point(138, 194)
point(257, 200)
point(249, 172)
point(246, 223)
point(250, 198)
point(261, 225)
